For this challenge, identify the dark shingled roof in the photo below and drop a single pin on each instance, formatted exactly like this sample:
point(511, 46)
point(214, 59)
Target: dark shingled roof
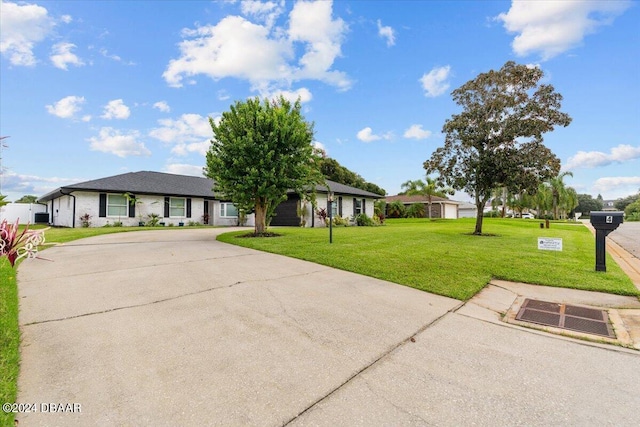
point(146, 182)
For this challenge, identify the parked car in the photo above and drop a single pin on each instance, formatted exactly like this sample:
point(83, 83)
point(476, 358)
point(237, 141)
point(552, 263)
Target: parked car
point(528, 216)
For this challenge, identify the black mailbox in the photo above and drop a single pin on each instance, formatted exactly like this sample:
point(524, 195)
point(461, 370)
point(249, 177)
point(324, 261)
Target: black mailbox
point(604, 223)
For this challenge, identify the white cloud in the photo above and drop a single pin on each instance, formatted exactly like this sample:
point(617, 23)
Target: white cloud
point(592, 159)
point(189, 133)
point(23, 25)
point(113, 141)
point(104, 52)
point(223, 95)
point(303, 93)
point(387, 33)
point(435, 82)
point(61, 56)
point(116, 109)
point(162, 106)
point(67, 19)
point(367, 135)
point(67, 107)
point(416, 132)
point(86, 118)
point(553, 27)
point(613, 187)
point(319, 146)
point(21, 184)
point(266, 12)
point(311, 23)
point(184, 169)
point(264, 56)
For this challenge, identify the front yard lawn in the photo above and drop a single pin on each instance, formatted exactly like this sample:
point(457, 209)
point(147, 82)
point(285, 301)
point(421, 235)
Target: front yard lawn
point(440, 256)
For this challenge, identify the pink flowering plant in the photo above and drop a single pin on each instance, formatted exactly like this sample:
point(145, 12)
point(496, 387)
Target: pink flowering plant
point(16, 244)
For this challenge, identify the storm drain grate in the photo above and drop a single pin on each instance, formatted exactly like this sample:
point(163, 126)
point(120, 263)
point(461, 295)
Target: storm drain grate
point(581, 319)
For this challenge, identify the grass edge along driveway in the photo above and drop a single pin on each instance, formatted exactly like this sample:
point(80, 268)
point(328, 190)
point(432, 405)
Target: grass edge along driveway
point(441, 257)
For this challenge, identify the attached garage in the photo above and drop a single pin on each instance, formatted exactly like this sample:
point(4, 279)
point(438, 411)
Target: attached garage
point(286, 213)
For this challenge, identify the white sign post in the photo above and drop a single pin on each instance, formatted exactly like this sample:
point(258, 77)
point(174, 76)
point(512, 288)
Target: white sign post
point(549, 244)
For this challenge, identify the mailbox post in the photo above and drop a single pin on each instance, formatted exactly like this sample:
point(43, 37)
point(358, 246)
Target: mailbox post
point(604, 223)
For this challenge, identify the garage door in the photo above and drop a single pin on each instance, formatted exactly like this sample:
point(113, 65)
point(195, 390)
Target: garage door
point(286, 212)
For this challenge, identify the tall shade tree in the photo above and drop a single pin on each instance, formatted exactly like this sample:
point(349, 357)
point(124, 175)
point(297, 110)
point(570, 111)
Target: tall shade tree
point(428, 189)
point(496, 141)
point(259, 152)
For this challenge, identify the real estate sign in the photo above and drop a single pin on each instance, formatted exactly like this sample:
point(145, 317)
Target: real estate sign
point(549, 244)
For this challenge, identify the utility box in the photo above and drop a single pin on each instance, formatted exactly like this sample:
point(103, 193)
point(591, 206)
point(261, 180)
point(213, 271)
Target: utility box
point(604, 223)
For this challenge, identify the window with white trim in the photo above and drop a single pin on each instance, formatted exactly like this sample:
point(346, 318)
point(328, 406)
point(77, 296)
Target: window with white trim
point(177, 207)
point(358, 208)
point(228, 210)
point(117, 205)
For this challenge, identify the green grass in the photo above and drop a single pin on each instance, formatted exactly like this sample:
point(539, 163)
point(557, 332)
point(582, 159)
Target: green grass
point(9, 338)
point(441, 257)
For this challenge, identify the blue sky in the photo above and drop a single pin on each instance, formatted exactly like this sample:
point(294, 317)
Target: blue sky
point(93, 89)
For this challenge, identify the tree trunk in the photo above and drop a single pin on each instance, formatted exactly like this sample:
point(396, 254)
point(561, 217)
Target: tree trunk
point(261, 217)
point(429, 198)
point(479, 216)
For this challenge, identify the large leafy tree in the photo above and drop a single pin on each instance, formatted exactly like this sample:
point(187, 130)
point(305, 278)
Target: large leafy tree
point(259, 152)
point(497, 140)
point(586, 204)
point(27, 199)
point(334, 171)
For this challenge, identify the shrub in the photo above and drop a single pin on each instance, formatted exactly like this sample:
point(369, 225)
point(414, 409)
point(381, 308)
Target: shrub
point(396, 209)
point(491, 214)
point(364, 221)
point(416, 210)
point(85, 220)
point(322, 214)
point(154, 219)
point(193, 223)
point(339, 221)
point(117, 224)
point(632, 211)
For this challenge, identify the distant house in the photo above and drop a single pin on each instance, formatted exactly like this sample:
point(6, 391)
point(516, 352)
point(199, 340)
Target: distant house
point(467, 210)
point(607, 205)
point(440, 207)
point(131, 198)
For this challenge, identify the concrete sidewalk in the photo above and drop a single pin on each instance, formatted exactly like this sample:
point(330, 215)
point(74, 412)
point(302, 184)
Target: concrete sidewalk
point(171, 327)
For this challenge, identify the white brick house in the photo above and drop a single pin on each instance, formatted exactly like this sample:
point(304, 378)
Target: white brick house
point(132, 197)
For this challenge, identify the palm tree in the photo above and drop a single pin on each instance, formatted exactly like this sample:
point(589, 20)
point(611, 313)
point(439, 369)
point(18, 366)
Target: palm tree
point(558, 191)
point(543, 199)
point(429, 189)
point(569, 202)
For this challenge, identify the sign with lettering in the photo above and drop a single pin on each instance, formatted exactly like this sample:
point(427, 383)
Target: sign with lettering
point(609, 219)
point(549, 244)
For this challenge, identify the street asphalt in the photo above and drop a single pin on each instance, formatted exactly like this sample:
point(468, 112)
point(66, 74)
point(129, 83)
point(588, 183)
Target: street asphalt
point(628, 236)
point(171, 327)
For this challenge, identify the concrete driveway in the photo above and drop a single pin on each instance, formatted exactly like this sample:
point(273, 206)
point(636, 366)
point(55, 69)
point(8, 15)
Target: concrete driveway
point(169, 328)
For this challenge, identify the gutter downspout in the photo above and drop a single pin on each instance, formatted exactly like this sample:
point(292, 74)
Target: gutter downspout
point(73, 220)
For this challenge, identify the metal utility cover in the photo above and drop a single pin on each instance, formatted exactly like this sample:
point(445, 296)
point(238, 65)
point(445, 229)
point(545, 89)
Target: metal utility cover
point(575, 318)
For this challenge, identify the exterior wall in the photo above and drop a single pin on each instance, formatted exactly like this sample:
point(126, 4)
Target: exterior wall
point(347, 208)
point(216, 219)
point(23, 212)
point(61, 211)
point(89, 203)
